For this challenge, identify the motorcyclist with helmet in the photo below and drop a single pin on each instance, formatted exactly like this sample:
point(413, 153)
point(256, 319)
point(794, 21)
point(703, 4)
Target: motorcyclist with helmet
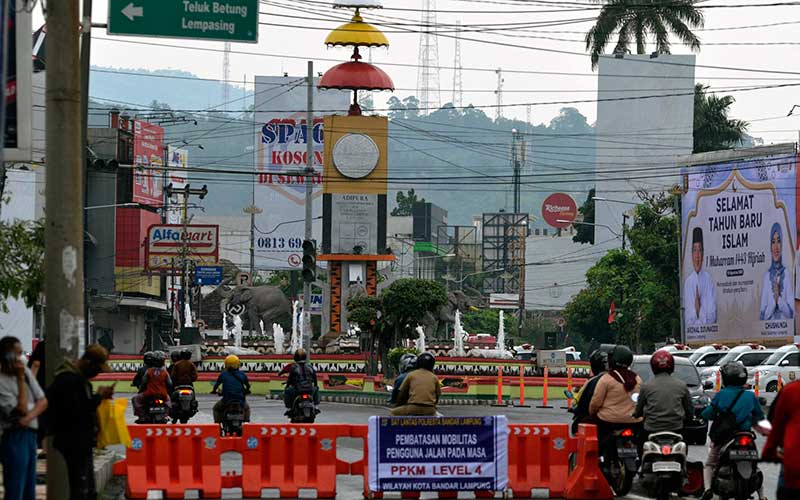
point(664, 401)
point(612, 403)
point(148, 362)
point(183, 370)
point(156, 384)
point(235, 387)
point(174, 357)
point(420, 391)
point(302, 379)
point(598, 363)
point(747, 410)
point(407, 363)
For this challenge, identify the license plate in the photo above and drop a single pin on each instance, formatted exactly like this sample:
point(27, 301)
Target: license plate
point(627, 452)
point(666, 467)
point(743, 454)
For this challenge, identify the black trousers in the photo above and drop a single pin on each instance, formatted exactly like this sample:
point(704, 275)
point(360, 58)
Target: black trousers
point(80, 472)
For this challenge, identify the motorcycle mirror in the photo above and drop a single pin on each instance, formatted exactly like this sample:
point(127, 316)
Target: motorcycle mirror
point(569, 394)
point(635, 397)
point(764, 426)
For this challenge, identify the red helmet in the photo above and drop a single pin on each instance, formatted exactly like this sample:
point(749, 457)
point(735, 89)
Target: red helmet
point(662, 361)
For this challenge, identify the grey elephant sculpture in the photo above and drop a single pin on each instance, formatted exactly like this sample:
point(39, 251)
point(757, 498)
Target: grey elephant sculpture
point(456, 300)
point(262, 303)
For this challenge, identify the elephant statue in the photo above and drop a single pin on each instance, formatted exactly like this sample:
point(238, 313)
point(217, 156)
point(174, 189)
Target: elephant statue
point(265, 304)
point(456, 300)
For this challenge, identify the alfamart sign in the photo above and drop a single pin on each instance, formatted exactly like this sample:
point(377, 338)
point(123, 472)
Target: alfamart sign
point(168, 244)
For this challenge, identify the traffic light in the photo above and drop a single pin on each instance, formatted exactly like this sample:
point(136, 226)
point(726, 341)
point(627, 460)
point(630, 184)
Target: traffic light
point(309, 261)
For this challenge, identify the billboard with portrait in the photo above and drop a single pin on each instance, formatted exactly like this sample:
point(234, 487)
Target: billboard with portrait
point(280, 155)
point(148, 154)
point(739, 236)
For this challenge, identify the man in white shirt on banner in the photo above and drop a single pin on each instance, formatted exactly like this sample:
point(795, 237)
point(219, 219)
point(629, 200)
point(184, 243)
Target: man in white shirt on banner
point(699, 291)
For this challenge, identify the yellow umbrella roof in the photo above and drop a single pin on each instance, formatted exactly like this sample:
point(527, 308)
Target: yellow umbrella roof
point(357, 33)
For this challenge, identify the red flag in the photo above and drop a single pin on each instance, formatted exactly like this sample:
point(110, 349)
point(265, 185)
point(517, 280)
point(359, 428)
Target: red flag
point(612, 313)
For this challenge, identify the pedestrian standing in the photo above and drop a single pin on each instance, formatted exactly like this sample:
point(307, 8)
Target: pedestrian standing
point(21, 402)
point(38, 367)
point(784, 440)
point(73, 417)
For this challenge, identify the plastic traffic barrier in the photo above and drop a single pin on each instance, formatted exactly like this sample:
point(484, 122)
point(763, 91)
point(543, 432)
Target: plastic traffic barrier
point(586, 481)
point(544, 389)
point(718, 382)
point(755, 385)
point(174, 459)
point(780, 382)
point(522, 387)
point(290, 457)
point(500, 401)
point(538, 459)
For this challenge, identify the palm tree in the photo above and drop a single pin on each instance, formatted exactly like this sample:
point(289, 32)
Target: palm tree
point(713, 130)
point(636, 20)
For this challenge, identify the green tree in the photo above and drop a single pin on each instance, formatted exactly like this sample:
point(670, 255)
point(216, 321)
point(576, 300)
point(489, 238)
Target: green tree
point(635, 21)
point(713, 128)
point(22, 265)
point(405, 203)
point(365, 312)
point(408, 300)
point(488, 321)
point(584, 233)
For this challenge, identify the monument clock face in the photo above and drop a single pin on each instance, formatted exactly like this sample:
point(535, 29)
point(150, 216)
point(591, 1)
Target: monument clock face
point(355, 155)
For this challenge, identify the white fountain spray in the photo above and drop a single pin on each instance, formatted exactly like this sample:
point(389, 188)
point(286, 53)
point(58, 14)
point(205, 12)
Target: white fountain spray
point(278, 336)
point(458, 336)
point(420, 343)
point(295, 340)
point(501, 337)
point(187, 315)
point(237, 330)
point(261, 324)
point(225, 332)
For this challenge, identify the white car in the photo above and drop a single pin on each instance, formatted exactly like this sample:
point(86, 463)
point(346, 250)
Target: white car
point(710, 353)
point(755, 355)
point(785, 361)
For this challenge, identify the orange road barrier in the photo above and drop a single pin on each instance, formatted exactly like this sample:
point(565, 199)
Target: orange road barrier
point(569, 388)
point(538, 459)
point(587, 481)
point(500, 401)
point(755, 388)
point(174, 459)
point(780, 382)
point(544, 389)
point(718, 383)
point(522, 387)
point(290, 457)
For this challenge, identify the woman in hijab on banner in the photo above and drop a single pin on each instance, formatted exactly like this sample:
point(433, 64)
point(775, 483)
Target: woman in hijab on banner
point(777, 297)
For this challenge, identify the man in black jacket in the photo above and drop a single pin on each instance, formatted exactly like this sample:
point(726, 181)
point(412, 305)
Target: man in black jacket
point(72, 417)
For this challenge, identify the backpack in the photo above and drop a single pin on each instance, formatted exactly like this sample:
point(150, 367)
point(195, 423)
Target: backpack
point(725, 425)
point(305, 383)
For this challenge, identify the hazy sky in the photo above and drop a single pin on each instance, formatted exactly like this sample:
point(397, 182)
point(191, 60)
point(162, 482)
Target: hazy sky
point(765, 109)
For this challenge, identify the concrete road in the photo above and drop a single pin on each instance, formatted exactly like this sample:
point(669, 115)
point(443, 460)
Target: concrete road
point(350, 449)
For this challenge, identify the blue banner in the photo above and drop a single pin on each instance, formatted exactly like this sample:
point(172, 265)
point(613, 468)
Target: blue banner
point(208, 275)
point(438, 453)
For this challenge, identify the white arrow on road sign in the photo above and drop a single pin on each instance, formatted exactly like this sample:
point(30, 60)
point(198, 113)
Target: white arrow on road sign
point(263, 431)
point(283, 431)
point(312, 432)
point(274, 431)
point(159, 431)
point(169, 431)
point(149, 432)
point(546, 431)
point(132, 12)
point(293, 431)
point(302, 431)
point(198, 431)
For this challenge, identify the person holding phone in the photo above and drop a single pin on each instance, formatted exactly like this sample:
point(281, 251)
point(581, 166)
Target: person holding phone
point(21, 403)
point(73, 407)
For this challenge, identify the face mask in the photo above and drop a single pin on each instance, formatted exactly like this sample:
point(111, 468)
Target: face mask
point(23, 359)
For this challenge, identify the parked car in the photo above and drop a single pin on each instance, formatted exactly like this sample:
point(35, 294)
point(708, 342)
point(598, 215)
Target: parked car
point(785, 360)
point(712, 351)
point(707, 359)
point(749, 358)
point(696, 431)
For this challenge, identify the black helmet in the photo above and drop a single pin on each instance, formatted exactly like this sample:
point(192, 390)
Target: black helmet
point(149, 359)
point(300, 356)
point(734, 374)
point(175, 355)
point(621, 357)
point(186, 354)
point(159, 359)
point(426, 361)
point(599, 362)
point(408, 362)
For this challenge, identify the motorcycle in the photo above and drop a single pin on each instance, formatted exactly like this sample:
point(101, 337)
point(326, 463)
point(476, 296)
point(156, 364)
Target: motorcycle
point(619, 460)
point(184, 404)
point(737, 475)
point(232, 419)
point(155, 411)
point(302, 410)
point(663, 464)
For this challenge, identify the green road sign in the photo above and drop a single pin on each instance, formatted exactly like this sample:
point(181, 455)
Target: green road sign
point(229, 20)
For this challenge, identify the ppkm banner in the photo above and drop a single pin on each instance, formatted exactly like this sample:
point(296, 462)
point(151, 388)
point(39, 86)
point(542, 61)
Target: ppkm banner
point(438, 454)
point(739, 236)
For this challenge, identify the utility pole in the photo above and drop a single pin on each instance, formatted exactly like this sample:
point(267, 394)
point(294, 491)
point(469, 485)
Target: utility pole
point(677, 209)
point(516, 160)
point(309, 195)
point(86, 43)
point(624, 228)
point(253, 211)
point(64, 314)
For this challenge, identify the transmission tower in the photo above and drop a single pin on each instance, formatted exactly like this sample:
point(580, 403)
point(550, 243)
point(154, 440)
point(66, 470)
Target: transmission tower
point(226, 75)
point(428, 73)
point(458, 84)
point(499, 93)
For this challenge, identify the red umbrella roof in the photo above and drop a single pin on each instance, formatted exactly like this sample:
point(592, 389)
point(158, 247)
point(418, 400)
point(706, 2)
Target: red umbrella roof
point(355, 75)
